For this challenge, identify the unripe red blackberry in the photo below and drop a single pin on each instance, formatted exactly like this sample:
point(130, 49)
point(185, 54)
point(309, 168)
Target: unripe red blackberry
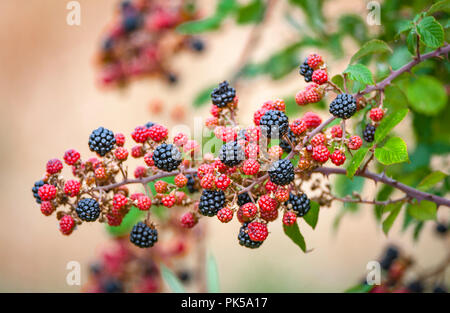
point(168, 200)
point(258, 115)
point(314, 60)
point(270, 186)
point(114, 220)
point(275, 152)
point(100, 173)
point(266, 203)
point(54, 166)
point(369, 133)
point(215, 111)
point(338, 157)
point(252, 151)
point(140, 172)
point(161, 186)
point(167, 157)
point(158, 133)
point(143, 235)
point(188, 220)
point(223, 95)
point(282, 195)
point(252, 134)
point(281, 172)
point(231, 154)
point(137, 151)
point(313, 93)
point(270, 215)
point(66, 224)
point(120, 139)
point(101, 141)
point(300, 98)
point(47, 208)
point(298, 127)
point(257, 231)
point(204, 169)
point(289, 218)
point(300, 204)
point(207, 182)
point(211, 201)
point(88, 209)
point(72, 188)
point(244, 238)
point(47, 192)
point(311, 119)
point(180, 196)
point(121, 153)
point(354, 143)
point(144, 203)
point(148, 159)
point(320, 76)
point(376, 114)
point(250, 167)
point(336, 131)
point(321, 153)
point(318, 139)
point(303, 163)
point(225, 215)
point(180, 180)
point(180, 139)
point(140, 134)
point(274, 123)
point(249, 211)
point(222, 181)
point(343, 106)
point(71, 156)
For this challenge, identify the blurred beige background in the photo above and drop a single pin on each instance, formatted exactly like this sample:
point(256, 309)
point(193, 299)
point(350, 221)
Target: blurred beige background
point(50, 103)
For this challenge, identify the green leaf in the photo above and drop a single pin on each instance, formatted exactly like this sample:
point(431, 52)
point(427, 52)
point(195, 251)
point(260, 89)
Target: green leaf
point(356, 161)
point(130, 219)
point(426, 95)
point(388, 123)
point(394, 208)
point(296, 236)
point(361, 288)
point(431, 180)
point(431, 32)
point(423, 211)
point(203, 96)
point(395, 98)
point(411, 41)
point(394, 151)
point(418, 230)
point(252, 12)
point(382, 195)
point(338, 80)
point(441, 6)
point(404, 26)
point(359, 73)
point(371, 47)
point(212, 275)
point(313, 12)
point(171, 279)
point(313, 215)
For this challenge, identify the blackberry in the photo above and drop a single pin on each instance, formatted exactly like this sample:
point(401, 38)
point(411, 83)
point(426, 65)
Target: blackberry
point(211, 202)
point(440, 289)
point(223, 94)
point(389, 257)
point(88, 209)
point(143, 235)
point(35, 190)
point(172, 78)
point(281, 172)
point(415, 287)
point(300, 204)
point(102, 141)
point(441, 228)
point(284, 144)
point(167, 157)
point(244, 238)
point(306, 71)
point(369, 133)
point(343, 106)
point(231, 154)
point(197, 44)
point(191, 183)
point(112, 286)
point(131, 22)
point(273, 122)
point(149, 124)
point(243, 198)
point(185, 276)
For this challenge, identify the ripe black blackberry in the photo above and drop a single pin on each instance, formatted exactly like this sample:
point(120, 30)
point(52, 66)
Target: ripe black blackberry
point(390, 255)
point(300, 204)
point(149, 124)
point(273, 123)
point(143, 235)
point(232, 154)
point(244, 238)
point(369, 133)
point(415, 286)
point(112, 285)
point(167, 157)
point(197, 44)
point(35, 189)
point(223, 95)
point(88, 209)
point(343, 106)
point(281, 172)
point(306, 71)
point(211, 201)
point(441, 228)
point(243, 198)
point(102, 141)
point(191, 183)
point(284, 144)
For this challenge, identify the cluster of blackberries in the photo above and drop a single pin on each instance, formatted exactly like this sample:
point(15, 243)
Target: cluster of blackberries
point(244, 238)
point(369, 133)
point(343, 106)
point(223, 95)
point(232, 154)
point(300, 204)
point(143, 235)
point(88, 209)
point(101, 141)
point(211, 201)
point(306, 71)
point(281, 172)
point(167, 157)
point(35, 190)
point(274, 123)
